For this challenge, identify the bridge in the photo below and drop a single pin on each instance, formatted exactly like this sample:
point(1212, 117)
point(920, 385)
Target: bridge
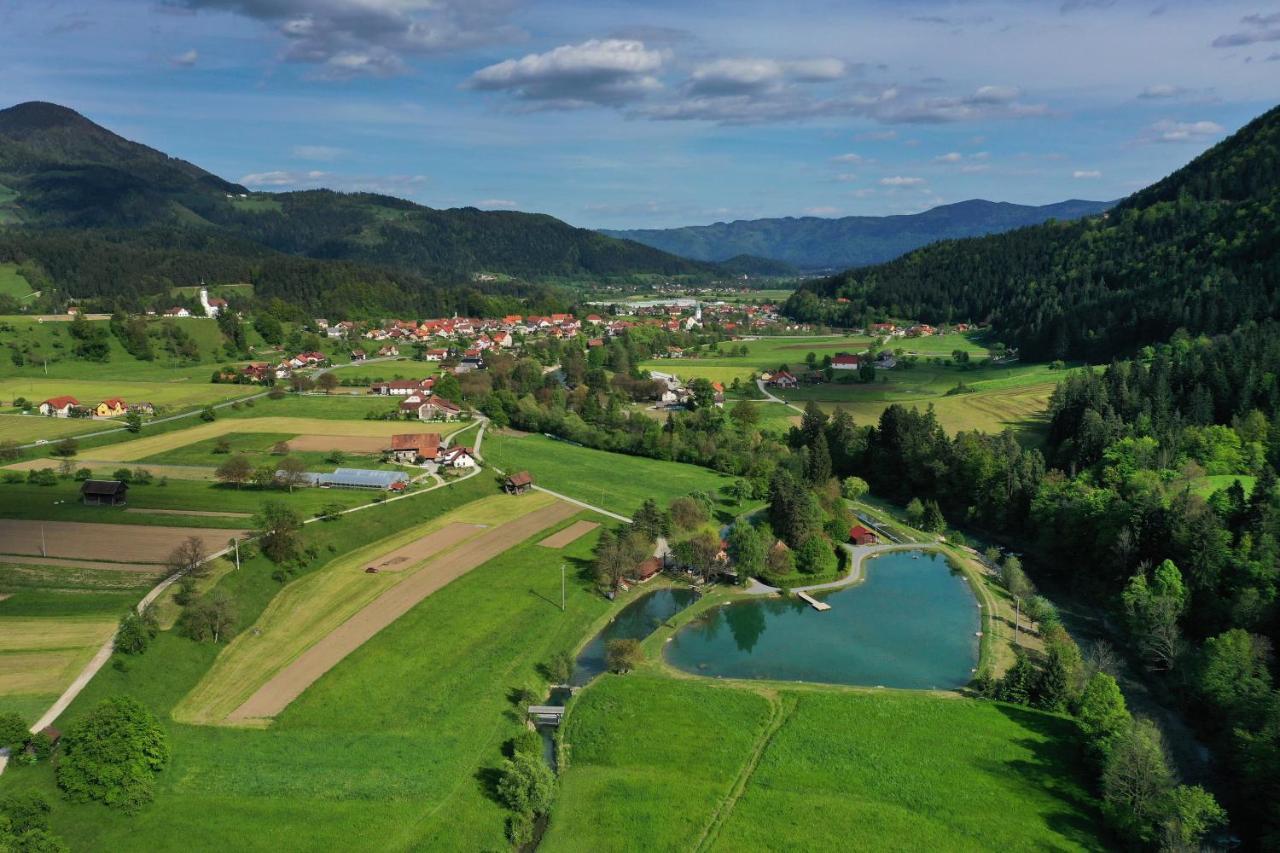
point(546, 715)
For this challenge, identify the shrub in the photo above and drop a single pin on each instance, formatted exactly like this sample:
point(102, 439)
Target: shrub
point(623, 655)
point(526, 785)
point(527, 741)
point(43, 477)
point(112, 754)
point(13, 731)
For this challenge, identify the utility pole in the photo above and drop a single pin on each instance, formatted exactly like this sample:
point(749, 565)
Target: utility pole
point(562, 587)
point(235, 543)
point(1017, 619)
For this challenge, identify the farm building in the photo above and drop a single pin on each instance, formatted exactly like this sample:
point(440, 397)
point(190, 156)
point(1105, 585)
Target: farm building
point(360, 478)
point(518, 483)
point(783, 379)
point(401, 387)
point(59, 407)
point(438, 408)
point(103, 492)
point(860, 535)
point(648, 569)
point(844, 361)
point(415, 447)
point(112, 407)
point(458, 457)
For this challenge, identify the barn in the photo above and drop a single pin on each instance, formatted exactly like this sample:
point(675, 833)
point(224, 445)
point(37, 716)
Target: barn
point(103, 492)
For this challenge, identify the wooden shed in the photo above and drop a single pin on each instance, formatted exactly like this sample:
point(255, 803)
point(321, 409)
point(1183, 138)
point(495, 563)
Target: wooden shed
point(103, 492)
point(518, 483)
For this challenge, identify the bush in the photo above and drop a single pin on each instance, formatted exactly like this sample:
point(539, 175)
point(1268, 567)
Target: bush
point(527, 742)
point(815, 557)
point(560, 668)
point(13, 731)
point(623, 655)
point(520, 830)
point(526, 785)
point(43, 477)
point(207, 414)
point(133, 635)
point(112, 754)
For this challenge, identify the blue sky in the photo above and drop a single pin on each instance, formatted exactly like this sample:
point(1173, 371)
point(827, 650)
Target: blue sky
point(651, 114)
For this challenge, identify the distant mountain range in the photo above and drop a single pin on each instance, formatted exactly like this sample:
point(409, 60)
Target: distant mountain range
point(812, 242)
point(60, 170)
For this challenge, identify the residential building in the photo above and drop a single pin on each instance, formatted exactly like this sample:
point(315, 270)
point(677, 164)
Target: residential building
point(59, 407)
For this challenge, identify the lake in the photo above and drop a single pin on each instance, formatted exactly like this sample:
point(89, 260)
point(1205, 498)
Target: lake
point(912, 623)
point(636, 621)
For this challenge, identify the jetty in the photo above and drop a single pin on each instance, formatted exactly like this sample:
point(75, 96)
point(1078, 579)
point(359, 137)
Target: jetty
point(815, 603)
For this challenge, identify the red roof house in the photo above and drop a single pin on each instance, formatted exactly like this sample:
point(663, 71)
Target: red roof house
point(860, 535)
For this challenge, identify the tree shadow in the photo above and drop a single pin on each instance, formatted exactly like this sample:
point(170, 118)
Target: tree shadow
point(488, 778)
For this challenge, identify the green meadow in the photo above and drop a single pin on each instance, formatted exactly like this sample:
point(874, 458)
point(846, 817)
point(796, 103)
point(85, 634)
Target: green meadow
point(762, 354)
point(12, 283)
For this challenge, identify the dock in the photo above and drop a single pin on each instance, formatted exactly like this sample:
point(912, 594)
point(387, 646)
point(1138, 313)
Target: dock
point(815, 603)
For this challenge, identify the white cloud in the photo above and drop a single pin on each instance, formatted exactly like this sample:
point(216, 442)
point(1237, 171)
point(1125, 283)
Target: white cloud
point(1168, 130)
point(968, 163)
point(599, 72)
point(310, 179)
point(185, 60)
point(1162, 90)
point(321, 153)
point(1258, 29)
point(986, 103)
point(1086, 174)
point(846, 178)
point(847, 158)
point(741, 76)
point(952, 157)
point(877, 136)
point(901, 181)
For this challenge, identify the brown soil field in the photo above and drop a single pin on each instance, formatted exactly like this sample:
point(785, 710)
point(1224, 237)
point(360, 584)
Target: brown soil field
point(288, 684)
point(206, 513)
point(84, 541)
point(572, 533)
point(345, 443)
point(102, 467)
point(427, 546)
point(86, 564)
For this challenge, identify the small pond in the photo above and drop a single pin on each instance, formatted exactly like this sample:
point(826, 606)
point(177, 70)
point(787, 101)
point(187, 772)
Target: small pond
point(912, 623)
point(636, 621)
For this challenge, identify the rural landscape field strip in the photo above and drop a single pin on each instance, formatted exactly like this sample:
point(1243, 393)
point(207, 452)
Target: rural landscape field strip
point(426, 547)
point(84, 541)
point(97, 565)
point(274, 696)
point(572, 533)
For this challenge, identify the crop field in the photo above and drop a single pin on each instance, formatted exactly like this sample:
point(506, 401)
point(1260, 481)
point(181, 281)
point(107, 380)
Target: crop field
point(311, 608)
point(151, 446)
point(398, 743)
point(172, 395)
point(76, 540)
point(179, 502)
point(52, 620)
point(973, 343)
point(837, 770)
point(610, 480)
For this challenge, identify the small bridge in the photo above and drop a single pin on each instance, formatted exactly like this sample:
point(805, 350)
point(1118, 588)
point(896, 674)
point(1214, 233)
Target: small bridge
point(546, 715)
point(813, 602)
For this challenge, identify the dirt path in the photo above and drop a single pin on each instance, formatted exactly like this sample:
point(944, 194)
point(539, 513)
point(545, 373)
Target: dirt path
point(288, 684)
point(570, 534)
point(88, 541)
point(781, 708)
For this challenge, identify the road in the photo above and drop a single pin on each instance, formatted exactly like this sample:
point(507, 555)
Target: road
point(769, 397)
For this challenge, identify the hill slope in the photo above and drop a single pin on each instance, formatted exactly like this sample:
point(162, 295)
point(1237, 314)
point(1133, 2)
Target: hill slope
point(1198, 250)
point(62, 170)
point(812, 242)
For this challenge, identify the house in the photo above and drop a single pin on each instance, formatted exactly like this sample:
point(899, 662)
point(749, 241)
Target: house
point(59, 407)
point(333, 332)
point(675, 352)
point(783, 379)
point(103, 492)
point(401, 387)
point(504, 340)
point(435, 355)
point(458, 457)
point(860, 535)
point(883, 328)
point(112, 407)
point(844, 361)
point(415, 447)
point(388, 351)
point(518, 483)
point(647, 570)
point(256, 372)
point(717, 391)
point(595, 342)
point(358, 355)
point(143, 408)
point(438, 409)
point(177, 312)
point(886, 362)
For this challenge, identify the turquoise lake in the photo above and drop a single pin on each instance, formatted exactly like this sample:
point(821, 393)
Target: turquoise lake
point(912, 623)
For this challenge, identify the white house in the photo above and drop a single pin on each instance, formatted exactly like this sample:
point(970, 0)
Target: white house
point(59, 407)
point(457, 457)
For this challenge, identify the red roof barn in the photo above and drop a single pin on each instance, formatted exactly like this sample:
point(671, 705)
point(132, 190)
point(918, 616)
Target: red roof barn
point(860, 535)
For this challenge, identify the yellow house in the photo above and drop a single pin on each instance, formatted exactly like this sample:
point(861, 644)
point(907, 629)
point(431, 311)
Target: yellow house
point(110, 408)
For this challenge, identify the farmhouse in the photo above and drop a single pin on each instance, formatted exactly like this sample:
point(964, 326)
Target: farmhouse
point(518, 483)
point(103, 492)
point(415, 447)
point(437, 354)
point(388, 351)
point(177, 312)
point(844, 361)
point(59, 407)
point(401, 387)
point(860, 535)
point(438, 409)
point(783, 379)
point(648, 569)
point(458, 457)
point(112, 407)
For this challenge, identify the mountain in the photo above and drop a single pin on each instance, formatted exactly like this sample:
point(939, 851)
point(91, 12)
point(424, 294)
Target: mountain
point(812, 242)
point(1198, 250)
point(58, 169)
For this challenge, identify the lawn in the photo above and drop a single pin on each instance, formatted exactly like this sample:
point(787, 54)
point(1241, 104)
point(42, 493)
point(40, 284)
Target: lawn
point(395, 748)
point(171, 395)
point(11, 281)
point(656, 762)
point(27, 428)
point(762, 354)
point(258, 446)
point(1205, 486)
point(614, 481)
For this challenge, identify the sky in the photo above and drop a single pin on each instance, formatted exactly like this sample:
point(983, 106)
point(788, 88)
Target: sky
point(659, 113)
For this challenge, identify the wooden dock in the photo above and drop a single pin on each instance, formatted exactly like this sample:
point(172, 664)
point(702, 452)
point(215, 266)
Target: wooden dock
point(813, 602)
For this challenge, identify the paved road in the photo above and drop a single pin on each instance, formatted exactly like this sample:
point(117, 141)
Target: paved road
point(857, 555)
point(769, 397)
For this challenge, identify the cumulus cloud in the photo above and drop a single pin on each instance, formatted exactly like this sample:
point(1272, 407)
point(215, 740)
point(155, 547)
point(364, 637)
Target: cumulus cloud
point(310, 179)
point(595, 72)
point(185, 60)
point(901, 181)
point(985, 103)
point(321, 153)
point(975, 162)
point(743, 76)
point(370, 37)
point(1084, 174)
point(1168, 130)
point(1257, 29)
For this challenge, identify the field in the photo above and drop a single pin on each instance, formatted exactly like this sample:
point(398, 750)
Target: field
point(76, 540)
point(11, 282)
point(52, 620)
point(762, 354)
point(610, 480)
point(310, 609)
point(152, 446)
point(1205, 486)
point(314, 450)
point(394, 748)
point(174, 396)
point(28, 428)
point(814, 769)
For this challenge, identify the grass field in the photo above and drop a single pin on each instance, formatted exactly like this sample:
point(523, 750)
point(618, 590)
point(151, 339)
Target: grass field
point(257, 446)
point(1205, 486)
point(762, 354)
point(610, 480)
point(11, 281)
point(28, 428)
point(52, 620)
point(395, 748)
point(171, 395)
point(150, 446)
point(814, 769)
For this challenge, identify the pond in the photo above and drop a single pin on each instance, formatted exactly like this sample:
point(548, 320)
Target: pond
point(912, 623)
point(636, 621)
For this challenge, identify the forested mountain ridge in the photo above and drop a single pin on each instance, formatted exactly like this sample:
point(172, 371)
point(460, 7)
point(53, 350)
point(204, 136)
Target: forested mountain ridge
point(816, 242)
point(1197, 250)
point(60, 170)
